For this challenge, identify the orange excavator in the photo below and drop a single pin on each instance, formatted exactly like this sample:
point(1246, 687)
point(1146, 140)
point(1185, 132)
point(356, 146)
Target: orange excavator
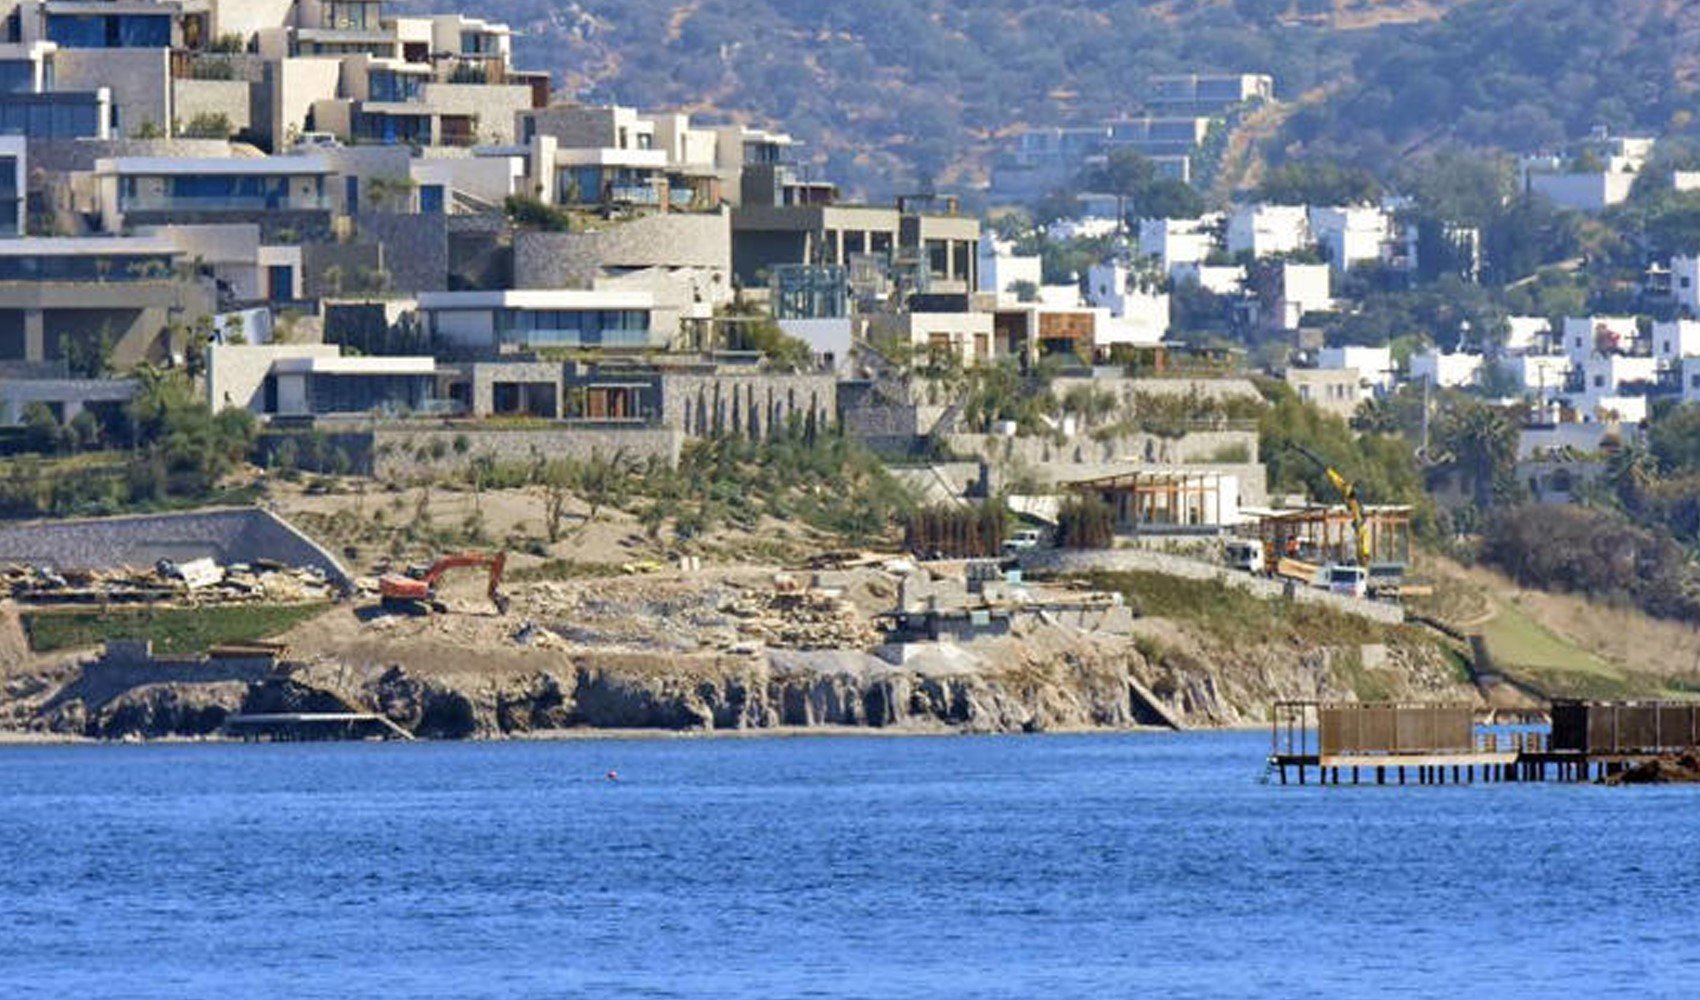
point(410, 592)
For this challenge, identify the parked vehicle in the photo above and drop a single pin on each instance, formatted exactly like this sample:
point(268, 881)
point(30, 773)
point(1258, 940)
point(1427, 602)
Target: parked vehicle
point(1024, 540)
point(1244, 554)
point(413, 593)
point(317, 140)
point(1348, 580)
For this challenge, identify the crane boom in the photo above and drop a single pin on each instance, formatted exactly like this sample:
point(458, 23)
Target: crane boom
point(1348, 491)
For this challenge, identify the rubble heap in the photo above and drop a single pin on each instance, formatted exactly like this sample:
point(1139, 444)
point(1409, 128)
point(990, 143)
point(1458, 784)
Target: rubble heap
point(801, 619)
point(198, 582)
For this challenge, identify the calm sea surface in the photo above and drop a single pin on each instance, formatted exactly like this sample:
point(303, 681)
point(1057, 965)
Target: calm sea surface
point(1040, 866)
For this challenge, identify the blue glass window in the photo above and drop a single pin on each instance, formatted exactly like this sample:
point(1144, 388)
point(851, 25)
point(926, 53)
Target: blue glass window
point(104, 31)
point(144, 31)
point(574, 328)
point(50, 116)
point(17, 76)
point(386, 85)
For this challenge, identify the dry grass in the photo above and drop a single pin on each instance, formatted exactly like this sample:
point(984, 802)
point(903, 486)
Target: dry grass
point(1565, 644)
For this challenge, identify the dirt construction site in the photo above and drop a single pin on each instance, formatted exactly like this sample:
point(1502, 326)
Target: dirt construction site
point(657, 613)
point(610, 625)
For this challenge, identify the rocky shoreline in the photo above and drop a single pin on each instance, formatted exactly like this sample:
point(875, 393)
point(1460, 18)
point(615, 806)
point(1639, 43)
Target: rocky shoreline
point(756, 653)
point(1041, 683)
point(644, 694)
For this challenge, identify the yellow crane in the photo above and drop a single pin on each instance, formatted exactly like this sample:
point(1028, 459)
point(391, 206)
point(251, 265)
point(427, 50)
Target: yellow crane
point(1348, 491)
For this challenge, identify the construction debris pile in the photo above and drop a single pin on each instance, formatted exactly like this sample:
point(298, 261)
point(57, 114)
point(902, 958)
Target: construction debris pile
point(801, 619)
point(198, 583)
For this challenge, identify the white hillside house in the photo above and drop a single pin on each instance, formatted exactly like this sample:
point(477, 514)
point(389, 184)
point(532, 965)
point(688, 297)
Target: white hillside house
point(1266, 230)
point(1447, 370)
point(1374, 365)
point(1177, 243)
point(1304, 289)
point(1351, 235)
point(1587, 335)
point(1138, 312)
point(1002, 270)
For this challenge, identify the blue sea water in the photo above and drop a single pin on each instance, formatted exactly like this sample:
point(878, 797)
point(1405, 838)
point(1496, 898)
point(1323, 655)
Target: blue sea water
point(1037, 866)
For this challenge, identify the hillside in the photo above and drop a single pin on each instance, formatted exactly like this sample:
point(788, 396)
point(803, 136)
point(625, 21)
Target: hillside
point(886, 92)
point(1564, 645)
point(1516, 75)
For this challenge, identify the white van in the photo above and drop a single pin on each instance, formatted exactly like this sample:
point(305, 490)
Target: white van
point(1023, 540)
point(1351, 581)
point(1244, 554)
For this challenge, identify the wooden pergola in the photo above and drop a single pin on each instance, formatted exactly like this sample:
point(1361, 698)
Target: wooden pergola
point(1170, 499)
point(1323, 534)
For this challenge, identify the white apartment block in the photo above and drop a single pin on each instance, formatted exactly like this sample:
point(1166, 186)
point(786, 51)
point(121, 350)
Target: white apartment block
point(1333, 390)
point(1543, 375)
point(1526, 334)
point(1675, 340)
point(1589, 192)
point(1265, 230)
point(1002, 269)
point(1685, 283)
point(1177, 243)
point(1134, 312)
point(1374, 365)
point(1604, 379)
point(1350, 236)
point(1088, 228)
point(1619, 158)
point(1446, 370)
point(1138, 310)
point(1219, 279)
point(1304, 289)
point(1615, 409)
point(966, 336)
point(1588, 335)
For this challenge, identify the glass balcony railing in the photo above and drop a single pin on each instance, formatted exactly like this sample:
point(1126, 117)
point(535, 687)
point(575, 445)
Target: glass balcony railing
point(577, 338)
point(224, 203)
point(635, 194)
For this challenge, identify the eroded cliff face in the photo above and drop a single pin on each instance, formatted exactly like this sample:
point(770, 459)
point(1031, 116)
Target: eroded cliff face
point(759, 693)
point(1050, 679)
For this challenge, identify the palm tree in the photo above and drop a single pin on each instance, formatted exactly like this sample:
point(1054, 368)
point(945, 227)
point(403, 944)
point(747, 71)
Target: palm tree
point(1631, 470)
point(1483, 444)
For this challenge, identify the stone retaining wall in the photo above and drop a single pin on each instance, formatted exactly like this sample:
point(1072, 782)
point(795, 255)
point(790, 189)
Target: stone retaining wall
point(400, 454)
point(230, 535)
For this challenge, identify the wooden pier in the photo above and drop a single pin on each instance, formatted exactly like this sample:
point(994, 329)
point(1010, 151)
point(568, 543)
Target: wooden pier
point(305, 726)
point(1438, 744)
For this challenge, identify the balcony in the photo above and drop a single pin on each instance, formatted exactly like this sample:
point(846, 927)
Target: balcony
point(224, 203)
point(634, 194)
point(617, 339)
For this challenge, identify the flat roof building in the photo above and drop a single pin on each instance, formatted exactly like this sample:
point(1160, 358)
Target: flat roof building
point(489, 323)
